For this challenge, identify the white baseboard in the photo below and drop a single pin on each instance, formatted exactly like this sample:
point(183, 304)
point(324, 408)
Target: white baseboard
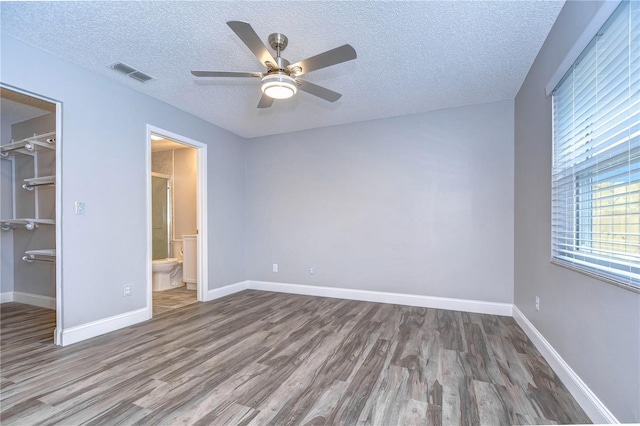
point(477, 306)
point(6, 297)
point(590, 403)
point(71, 335)
point(34, 299)
point(217, 293)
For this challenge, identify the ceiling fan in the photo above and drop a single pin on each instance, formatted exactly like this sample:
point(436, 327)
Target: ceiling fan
point(281, 79)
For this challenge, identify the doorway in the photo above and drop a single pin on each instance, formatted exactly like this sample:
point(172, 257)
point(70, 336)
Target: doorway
point(30, 172)
point(176, 196)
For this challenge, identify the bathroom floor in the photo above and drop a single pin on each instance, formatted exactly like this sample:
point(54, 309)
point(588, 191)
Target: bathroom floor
point(164, 301)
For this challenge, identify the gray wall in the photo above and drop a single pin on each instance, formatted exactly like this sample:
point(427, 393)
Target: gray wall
point(593, 325)
point(419, 204)
point(103, 164)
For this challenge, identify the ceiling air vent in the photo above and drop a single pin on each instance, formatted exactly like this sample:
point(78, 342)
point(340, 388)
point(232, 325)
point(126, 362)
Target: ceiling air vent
point(131, 72)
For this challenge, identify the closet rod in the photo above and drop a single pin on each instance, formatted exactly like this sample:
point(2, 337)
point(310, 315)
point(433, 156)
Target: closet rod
point(30, 259)
point(30, 186)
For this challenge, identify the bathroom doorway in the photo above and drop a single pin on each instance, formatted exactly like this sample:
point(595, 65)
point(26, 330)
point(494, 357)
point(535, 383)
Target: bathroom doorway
point(176, 191)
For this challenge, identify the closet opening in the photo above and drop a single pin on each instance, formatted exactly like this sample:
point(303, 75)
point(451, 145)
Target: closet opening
point(30, 273)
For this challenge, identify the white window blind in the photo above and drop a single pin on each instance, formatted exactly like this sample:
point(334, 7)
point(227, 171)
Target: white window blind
point(596, 154)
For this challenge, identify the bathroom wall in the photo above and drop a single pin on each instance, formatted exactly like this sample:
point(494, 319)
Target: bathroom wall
point(38, 277)
point(180, 164)
point(185, 180)
point(162, 162)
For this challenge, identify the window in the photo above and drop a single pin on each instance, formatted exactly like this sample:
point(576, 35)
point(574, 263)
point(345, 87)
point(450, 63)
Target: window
point(596, 154)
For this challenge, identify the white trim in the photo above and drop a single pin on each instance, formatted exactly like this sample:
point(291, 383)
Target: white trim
point(466, 305)
point(477, 306)
point(590, 403)
point(217, 293)
point(34, 299)
point(148, 229)
point(203, 231)
point(57, 337)
point(599, 19)
point(96, 328)
point(6, 297)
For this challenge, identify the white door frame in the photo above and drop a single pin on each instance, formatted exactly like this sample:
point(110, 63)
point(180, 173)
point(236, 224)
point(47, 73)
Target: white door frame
point(57, 332)
point(201, 220)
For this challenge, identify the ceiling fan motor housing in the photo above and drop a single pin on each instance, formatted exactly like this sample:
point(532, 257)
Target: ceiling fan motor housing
point(282, 64)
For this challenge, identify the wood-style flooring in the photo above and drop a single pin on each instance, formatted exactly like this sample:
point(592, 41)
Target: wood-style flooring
point(268, 358)
point(168, 300)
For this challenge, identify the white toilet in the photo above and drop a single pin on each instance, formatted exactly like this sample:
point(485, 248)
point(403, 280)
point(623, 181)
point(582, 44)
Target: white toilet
point(167, 273)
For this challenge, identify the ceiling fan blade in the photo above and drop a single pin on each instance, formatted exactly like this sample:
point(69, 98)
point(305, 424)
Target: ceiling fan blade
point(225, 74)
point(253, 42)
point(335, 56)
point(265, 101)
point(319, 91)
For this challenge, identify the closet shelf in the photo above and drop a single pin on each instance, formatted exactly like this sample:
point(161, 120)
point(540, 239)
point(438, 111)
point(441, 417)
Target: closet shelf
point(41, 252)
point(29, 224)
point(30, 145)
point(31, 183)
point(38, 255)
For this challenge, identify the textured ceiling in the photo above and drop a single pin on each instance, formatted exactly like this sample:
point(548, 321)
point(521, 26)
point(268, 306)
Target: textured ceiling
point(412, 56)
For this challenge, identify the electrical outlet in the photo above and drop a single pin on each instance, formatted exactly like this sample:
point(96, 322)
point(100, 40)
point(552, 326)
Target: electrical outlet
point(275, 267)
point(312, 270)
point(537, 304)
point(127, 290)
point(80, 207)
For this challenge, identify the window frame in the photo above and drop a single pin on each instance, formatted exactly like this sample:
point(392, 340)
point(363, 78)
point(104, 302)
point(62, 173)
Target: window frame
point(568, 225)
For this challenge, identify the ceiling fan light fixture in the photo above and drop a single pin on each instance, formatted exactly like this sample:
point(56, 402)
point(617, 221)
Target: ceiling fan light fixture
point(279, 86)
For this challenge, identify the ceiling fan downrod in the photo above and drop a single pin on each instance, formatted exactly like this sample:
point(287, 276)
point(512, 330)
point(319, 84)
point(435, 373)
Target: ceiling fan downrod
point(279, 42)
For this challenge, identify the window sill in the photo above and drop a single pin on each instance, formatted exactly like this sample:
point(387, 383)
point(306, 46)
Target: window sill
point(591, 274)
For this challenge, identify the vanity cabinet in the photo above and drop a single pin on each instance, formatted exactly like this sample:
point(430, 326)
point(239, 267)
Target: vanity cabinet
point(190, 260)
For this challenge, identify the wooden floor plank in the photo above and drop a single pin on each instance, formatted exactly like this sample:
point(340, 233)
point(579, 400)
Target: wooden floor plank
point(270, 358)
point(168, 300)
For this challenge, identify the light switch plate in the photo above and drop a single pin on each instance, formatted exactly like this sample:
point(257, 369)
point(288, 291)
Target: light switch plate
point(80, 207)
